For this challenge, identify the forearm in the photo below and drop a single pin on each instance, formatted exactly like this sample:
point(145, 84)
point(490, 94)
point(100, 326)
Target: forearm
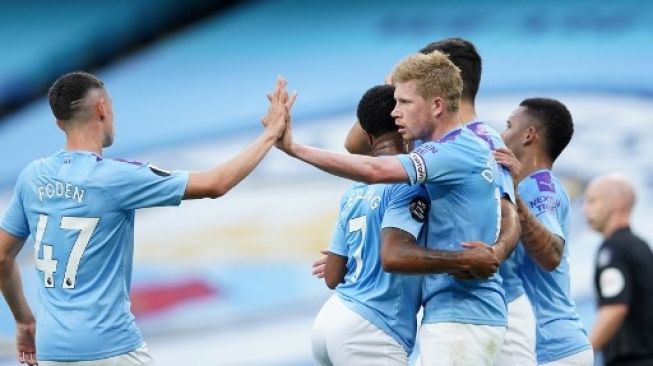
point(541, 244)
point(12, 290)
point(606, 325)
point(355, 167)
point(510, 230)
point(407, 257)
point(221, 179)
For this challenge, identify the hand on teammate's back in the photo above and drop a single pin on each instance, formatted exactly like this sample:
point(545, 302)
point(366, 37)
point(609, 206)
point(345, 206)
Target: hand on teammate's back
point(320, 265)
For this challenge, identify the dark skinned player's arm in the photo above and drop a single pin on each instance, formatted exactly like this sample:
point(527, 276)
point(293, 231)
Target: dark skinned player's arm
point(510, 230)
point(335, 270)
point(400, 253)
point(356, 141)
point(541, 244)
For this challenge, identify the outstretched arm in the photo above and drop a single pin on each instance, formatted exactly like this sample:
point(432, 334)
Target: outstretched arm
point(400, 253)
point(219, 180)
point(359, 168)
point(12, 290)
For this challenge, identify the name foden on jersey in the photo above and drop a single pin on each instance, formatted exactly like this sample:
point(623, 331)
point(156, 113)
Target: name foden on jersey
point(58, 189)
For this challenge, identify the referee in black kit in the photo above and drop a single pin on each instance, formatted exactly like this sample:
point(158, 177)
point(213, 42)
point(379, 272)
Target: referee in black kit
point(623, 329)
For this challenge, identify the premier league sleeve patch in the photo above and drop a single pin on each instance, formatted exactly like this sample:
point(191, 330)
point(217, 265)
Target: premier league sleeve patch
point(419, 209)
point(158, 171)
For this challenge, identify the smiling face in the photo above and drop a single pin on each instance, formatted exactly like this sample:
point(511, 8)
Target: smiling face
point(412, 113)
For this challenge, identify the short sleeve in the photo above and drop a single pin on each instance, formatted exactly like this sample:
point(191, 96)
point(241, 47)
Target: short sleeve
point(433, 162)
point(338, 243)
point(613, 277)
point(15, 221)
point(543, 204)
point(140, 185)
point(407, 209)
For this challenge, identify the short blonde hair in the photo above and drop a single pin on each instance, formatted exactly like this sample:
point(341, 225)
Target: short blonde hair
point(435, 74)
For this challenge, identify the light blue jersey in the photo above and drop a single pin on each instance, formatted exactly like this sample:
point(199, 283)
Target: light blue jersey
point(79, 209)
point(512, 284)
point(559, 331)
point(459, 173)
point(389, 301)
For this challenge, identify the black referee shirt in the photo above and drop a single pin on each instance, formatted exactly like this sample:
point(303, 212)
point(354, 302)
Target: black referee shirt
point(624, 275)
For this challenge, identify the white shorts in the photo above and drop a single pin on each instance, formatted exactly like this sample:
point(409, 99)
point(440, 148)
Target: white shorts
point(584, 358)
point(449, 344)
point(139, 357)
point(342, 337)
point(519, 344)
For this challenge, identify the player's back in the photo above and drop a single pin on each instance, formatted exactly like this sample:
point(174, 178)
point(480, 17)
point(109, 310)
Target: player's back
point(389, 301)
point(79, 208)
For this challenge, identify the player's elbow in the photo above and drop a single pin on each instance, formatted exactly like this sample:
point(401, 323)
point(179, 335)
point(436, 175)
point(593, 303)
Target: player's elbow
point(6, 265)
point(333, 279)
point(331, 282)
point(551, 261)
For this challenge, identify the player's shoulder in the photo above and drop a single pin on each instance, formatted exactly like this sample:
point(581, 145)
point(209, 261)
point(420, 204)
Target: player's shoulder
point(543, 182)
point(486, 133)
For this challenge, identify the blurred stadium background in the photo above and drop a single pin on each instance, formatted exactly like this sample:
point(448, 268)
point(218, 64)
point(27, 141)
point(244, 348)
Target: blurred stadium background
point(228, 282)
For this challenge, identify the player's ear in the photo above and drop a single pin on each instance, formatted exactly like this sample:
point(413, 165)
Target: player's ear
point(438, 106)
point(61, 125)
point(530, 135)
point(101, 108)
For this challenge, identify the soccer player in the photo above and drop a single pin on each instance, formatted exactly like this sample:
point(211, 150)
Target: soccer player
point(623, 328)
point(372, 317)
point(519, 344)
point(537, 132)
point(78, 207)
point(463, 320)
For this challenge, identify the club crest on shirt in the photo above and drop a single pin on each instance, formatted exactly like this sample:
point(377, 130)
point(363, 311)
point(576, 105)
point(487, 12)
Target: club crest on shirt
point(419, 209)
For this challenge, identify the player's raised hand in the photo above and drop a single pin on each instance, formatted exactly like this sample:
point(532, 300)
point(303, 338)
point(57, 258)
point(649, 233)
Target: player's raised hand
point(481, 258)
point(25, 346)
point(285, 142)
point(507, 158)
point(320, 265)
point(275, 119)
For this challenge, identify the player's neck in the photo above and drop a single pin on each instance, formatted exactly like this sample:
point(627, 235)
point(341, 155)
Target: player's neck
point(466, 111)
point(84, 139)
point(530, 163)
point(389, 143)
point(442, 127)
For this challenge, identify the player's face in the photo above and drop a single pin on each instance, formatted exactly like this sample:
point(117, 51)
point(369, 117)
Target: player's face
point(412, 112)
point(108, 120)
point(515, 128)
point(597, 206)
